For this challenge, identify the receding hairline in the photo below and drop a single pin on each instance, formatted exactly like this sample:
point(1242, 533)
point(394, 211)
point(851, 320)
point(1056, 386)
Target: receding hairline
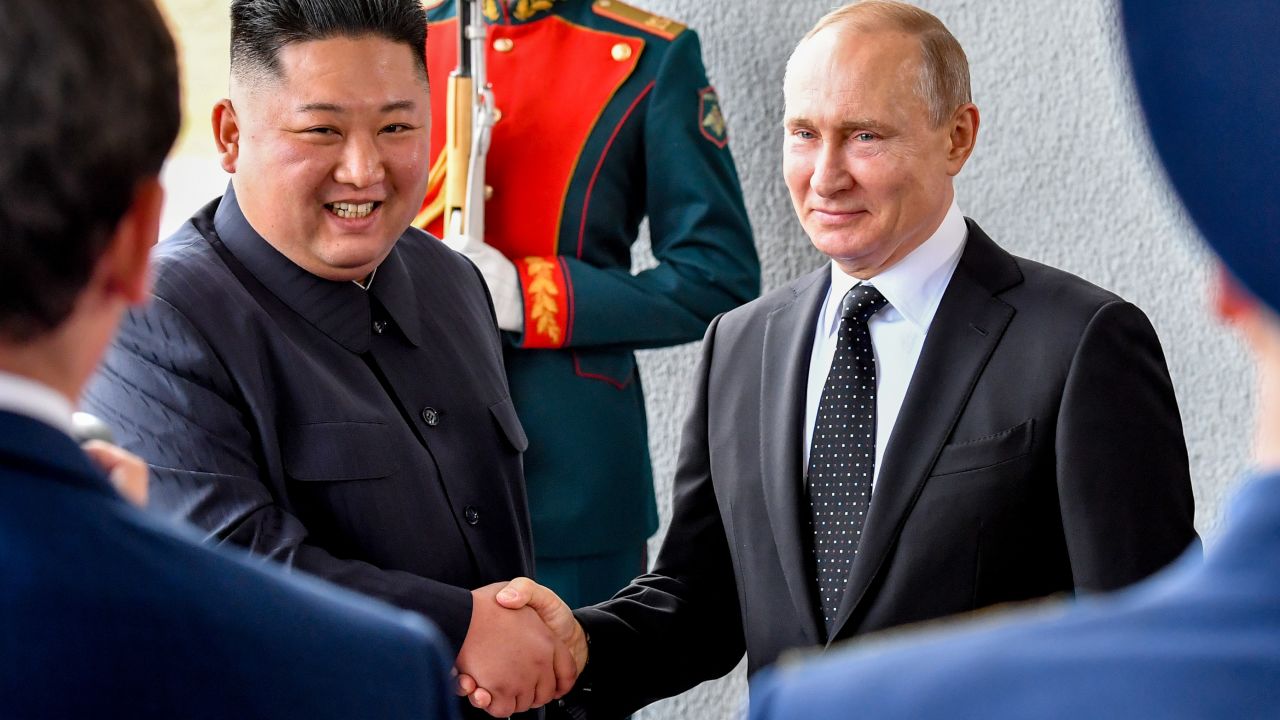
point(943, 68)
point(878, 15)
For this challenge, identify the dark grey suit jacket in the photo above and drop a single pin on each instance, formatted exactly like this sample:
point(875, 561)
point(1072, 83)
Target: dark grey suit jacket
point(1039, 450)
point(365, 437)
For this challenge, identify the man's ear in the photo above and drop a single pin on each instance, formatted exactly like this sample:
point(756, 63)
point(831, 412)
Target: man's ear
point(226, 134)
point(1231, 303)
point(963, 136)
point(127, 260)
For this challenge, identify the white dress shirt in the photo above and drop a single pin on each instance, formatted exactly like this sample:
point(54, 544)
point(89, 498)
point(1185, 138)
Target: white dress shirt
point(914, 288)
point(24, 396)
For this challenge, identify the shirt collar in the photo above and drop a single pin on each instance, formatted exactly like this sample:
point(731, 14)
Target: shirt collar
point(340, 310)
point(915, 284)
point(24, 396)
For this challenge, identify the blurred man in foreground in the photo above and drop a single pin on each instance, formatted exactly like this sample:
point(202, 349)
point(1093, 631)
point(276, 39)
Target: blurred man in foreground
point(106, 611)
point(1200, 640)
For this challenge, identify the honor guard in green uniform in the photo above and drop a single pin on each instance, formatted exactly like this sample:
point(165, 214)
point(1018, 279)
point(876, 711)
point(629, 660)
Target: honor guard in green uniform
point(604, 116)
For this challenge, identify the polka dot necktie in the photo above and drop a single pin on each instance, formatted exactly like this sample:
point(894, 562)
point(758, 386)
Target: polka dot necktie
point(843, 454)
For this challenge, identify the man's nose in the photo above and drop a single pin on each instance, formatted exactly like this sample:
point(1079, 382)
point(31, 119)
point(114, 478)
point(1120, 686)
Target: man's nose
point(361, 163)
point(831, 172)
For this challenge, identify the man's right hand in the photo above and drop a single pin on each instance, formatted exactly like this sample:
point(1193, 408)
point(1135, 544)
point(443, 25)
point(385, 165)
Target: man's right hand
point(523, 594)
point(127, 472)
point(513, 655)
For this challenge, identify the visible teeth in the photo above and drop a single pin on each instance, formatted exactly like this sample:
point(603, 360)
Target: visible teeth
point(351, 210)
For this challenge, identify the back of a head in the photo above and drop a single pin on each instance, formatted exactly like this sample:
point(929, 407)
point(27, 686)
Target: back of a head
point(91, 110)
point(944, 68)
point(260, 28)
point(1208, 86)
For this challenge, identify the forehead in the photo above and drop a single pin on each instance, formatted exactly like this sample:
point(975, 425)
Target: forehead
point(840, 66)
point(360, 69)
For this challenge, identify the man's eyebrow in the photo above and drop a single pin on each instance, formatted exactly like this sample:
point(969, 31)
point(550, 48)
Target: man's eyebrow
point(845, 126)
point(335, 108)
point(865, 124)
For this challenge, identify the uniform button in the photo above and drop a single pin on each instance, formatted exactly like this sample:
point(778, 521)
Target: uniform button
point(379, 326)
point(472, 514)
point(431, 416)
point(488, 192)
point(621, 52)
point(497, 115)
point(504, 45)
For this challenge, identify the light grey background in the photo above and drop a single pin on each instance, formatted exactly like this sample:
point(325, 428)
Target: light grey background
point(1062, 174)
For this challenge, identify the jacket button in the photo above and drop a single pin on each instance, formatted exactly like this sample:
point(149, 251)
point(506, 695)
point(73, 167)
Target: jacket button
point(471, 514)
point(504, 45)
point(379, 327)
point(431, 416)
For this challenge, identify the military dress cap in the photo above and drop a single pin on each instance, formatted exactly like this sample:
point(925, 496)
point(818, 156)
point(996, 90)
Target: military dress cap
point(1208, 76)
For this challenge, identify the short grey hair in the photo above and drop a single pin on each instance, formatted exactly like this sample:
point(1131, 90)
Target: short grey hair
point(944, 68)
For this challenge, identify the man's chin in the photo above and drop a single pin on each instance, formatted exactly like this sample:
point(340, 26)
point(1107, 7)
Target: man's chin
point(346, 267)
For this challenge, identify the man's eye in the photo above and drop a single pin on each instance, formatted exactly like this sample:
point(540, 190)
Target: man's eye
point(804, 134)
point(865, 137)
point(321, 131)
point(396, 128)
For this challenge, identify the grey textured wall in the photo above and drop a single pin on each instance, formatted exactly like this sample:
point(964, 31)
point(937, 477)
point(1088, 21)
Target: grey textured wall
point(1062, 174)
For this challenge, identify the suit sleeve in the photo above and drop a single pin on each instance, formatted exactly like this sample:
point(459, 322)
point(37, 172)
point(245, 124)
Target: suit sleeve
point(170, 400)
point(698, 230)
point(681, 624)
point(1124, 482)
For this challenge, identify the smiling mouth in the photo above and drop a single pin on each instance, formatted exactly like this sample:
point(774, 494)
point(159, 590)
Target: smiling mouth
point(352, 211)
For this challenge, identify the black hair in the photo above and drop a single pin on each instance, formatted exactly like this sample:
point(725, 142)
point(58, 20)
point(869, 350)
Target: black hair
point(261, 28)
point(91, 109)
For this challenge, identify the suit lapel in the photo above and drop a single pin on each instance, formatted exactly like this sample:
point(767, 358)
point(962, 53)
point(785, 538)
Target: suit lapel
point(965, 331)
point(788, 344)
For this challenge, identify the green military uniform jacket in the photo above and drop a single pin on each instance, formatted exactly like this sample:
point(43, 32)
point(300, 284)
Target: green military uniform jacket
point(606, 117)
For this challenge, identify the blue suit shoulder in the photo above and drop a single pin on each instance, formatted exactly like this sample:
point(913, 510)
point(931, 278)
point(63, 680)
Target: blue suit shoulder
point(118, 612)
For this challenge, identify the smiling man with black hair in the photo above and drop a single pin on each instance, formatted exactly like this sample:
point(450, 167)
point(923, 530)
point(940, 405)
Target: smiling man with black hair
point(314, 380)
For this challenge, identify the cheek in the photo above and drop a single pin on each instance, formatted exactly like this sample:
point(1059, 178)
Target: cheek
point(797, 170)
point(407, 163)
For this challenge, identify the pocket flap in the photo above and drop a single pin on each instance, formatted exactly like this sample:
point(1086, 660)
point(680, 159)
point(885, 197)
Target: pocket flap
point(331, 451)
point(985, 451)
point(504, 411)
point(616, 367)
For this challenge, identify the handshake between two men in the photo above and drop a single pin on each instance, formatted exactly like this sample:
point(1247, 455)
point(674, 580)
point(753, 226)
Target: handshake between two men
point(523, 650)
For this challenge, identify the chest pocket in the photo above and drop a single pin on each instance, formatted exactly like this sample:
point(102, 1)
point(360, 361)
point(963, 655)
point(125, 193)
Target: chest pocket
point(334, 451)
point(504, 412)
point(985, 452)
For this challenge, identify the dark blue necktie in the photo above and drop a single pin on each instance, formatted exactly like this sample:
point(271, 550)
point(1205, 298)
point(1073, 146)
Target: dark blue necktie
point(842, 456)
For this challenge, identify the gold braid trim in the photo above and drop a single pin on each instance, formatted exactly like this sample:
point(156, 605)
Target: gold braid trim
point(544, 308)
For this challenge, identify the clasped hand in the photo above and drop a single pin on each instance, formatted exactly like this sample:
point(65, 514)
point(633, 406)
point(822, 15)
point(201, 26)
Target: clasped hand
point(523, 649)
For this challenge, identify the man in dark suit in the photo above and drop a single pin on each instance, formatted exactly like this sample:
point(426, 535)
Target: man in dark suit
point(106, 611)
point(1202, 639)
point(979, 428)
point(313, 380)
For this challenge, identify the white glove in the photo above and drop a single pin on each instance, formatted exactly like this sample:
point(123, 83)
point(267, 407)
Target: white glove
point(501, 276)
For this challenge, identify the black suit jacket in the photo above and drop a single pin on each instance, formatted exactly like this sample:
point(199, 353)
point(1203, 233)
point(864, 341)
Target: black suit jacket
point(1038, 450)
point(365, 437)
